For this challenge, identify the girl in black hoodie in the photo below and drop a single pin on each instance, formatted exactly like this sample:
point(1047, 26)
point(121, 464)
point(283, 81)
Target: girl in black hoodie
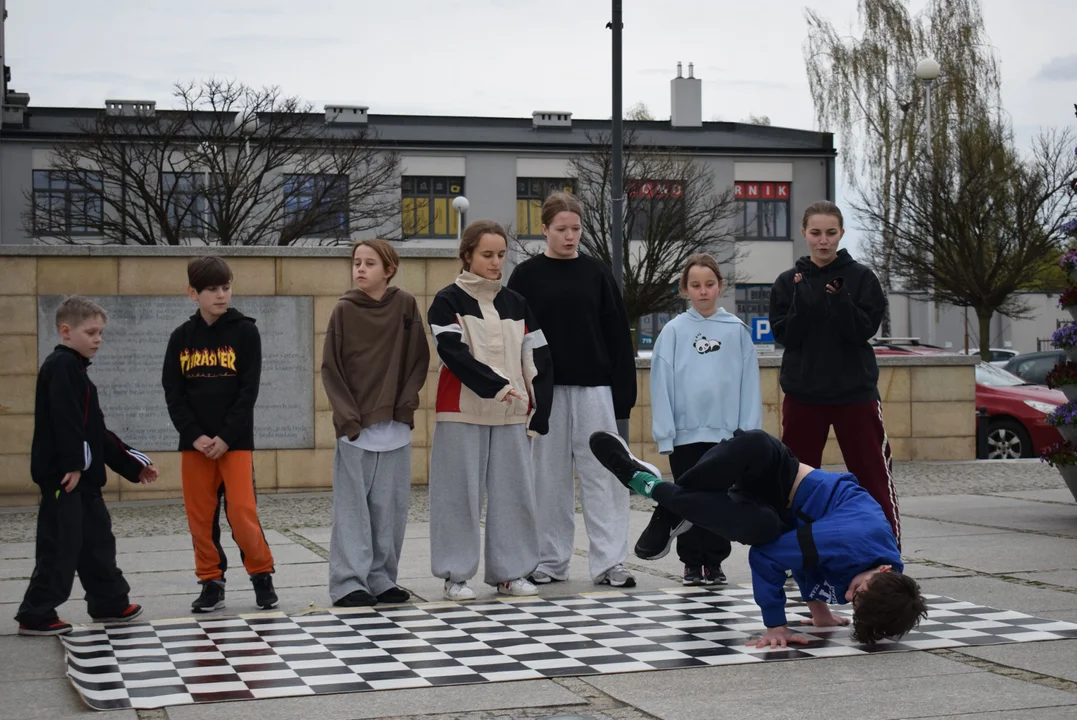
point(824, 311)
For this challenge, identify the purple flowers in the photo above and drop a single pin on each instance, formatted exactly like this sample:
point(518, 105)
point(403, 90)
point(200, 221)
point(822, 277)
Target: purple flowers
point(1065, 337)
point(1059, 455)
point(1069, 261)
point(1063, 415)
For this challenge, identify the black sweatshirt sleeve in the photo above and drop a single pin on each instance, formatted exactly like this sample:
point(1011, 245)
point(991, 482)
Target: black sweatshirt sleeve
point(859, 318)
point(68, 395)
point(479, 377)
point(238, 419)
point(619, 344)
point(172, 380)
point(790, 310)
point(122, 458)
point(542, 383)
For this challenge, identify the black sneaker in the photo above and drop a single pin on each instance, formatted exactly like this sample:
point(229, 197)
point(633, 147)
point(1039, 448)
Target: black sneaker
point(42, 628)
point(212, 597)
point(358, 598)
point(693, 576)
point(265, 596)
point(612, 451)
point(394, 596)
point(716, 574)
point(657, 537)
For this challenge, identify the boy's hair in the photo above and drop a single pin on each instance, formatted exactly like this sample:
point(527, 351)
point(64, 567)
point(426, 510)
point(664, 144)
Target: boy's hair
point(698, 260)
point(208, 271)
point(473, 233)
point(76, 309)
point(890, 606)
point(390, 259)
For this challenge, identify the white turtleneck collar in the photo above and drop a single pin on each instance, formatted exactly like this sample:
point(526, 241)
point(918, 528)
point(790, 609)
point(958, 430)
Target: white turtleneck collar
point(478, 287)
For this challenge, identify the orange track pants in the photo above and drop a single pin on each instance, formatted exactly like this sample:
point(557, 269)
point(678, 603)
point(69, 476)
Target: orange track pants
point(202, 478)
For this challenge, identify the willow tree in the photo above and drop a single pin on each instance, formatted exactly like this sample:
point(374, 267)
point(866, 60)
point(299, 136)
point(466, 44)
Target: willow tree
point(865, 90)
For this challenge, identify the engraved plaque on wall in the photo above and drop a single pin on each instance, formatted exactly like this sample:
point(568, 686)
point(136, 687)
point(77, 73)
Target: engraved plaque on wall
point(127, 369)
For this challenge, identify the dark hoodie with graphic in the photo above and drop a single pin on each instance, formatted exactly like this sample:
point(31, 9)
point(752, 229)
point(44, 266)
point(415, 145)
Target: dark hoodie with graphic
point(211, 376)
point(828, 359)
point(375, 360)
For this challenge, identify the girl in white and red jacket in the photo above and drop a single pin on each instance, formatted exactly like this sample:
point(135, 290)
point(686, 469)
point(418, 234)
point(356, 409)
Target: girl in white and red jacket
point(495, 387)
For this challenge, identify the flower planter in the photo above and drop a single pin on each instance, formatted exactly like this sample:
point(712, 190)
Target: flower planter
point(1069, 475)
point(1071, 353)
point(1068, 432)
point(1070, 391)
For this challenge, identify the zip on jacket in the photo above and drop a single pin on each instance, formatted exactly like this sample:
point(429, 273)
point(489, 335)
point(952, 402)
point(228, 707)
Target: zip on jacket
point(69, 429)
point(704, 380)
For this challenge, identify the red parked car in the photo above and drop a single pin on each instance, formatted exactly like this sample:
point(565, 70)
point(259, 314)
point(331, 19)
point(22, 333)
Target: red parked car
point(1016, 410)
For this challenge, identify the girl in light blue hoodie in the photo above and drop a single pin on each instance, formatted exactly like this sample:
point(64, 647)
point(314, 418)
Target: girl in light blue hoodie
point(704, 385)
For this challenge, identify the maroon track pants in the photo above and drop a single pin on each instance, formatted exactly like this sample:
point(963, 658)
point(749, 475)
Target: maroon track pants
point(861, 437)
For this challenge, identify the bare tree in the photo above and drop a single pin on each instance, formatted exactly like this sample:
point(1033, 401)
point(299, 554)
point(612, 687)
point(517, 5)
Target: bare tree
point(865, 89)
point(754, 119)
point(672, 211)
point(980, 221)
point(234, 165)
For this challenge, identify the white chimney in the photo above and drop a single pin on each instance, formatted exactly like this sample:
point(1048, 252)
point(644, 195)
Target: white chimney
point(551, 119)
point(130, 108)
point(346, 114)
point(687, 99)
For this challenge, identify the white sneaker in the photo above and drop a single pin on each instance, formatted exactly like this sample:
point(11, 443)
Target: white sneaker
point(518, 587)
point(618, 576)
point(457, 591)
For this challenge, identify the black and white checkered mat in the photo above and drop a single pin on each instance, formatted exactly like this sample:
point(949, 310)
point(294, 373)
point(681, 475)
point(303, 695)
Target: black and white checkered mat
point(177, 662)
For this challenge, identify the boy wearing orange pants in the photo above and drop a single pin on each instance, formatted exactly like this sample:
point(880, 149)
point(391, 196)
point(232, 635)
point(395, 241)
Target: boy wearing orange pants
point(211, 376)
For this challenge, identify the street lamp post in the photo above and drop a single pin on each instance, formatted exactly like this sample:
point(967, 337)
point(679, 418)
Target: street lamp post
point(460, 205)
point(927, 72)
point(617, 140)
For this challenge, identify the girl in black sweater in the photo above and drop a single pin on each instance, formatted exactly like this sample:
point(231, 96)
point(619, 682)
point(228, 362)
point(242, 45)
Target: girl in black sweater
point(583, 317)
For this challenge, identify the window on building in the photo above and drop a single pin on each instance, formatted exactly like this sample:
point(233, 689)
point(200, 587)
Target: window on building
point(426, 205)
point(655, 209)
point(530, 194)
point(320, 202)
point(63, 204)
point(753, 301)
point(765, 209)
point(184, 198)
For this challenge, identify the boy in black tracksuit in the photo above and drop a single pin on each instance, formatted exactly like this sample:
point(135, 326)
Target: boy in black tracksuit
point(71, 447)
point(211, 376)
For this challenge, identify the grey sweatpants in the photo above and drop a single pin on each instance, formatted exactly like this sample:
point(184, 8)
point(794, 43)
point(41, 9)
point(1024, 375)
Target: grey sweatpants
point(468, 462)
point(371, 491)
point(576, 413)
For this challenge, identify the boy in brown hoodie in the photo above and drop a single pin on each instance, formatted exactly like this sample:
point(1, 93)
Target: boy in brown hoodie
point(373, 366)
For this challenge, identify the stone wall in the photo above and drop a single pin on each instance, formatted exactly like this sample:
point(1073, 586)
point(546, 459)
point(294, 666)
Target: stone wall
point(928, 402)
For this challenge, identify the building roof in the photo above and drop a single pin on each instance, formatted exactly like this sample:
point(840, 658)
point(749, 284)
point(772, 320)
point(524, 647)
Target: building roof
point(496, 133)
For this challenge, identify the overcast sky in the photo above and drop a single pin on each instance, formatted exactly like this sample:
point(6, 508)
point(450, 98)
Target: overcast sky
point(490, 57)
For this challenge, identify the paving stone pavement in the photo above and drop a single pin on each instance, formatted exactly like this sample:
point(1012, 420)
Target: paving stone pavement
point(1002, 534)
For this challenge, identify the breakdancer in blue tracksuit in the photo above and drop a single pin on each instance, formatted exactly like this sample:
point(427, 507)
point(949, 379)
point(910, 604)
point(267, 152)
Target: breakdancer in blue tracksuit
point(822, 526)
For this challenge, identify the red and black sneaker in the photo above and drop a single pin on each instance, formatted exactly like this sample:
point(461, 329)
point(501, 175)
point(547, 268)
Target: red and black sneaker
point(52, 626)
point(130, 613)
